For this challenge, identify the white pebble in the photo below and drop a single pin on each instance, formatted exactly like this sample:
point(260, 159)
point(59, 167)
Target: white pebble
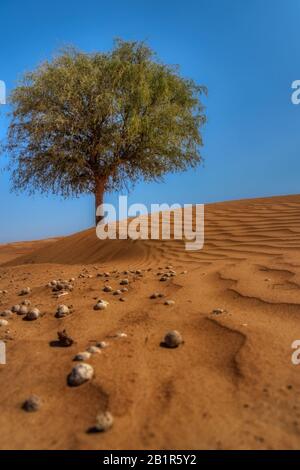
point(82, 356)
point(80, 373)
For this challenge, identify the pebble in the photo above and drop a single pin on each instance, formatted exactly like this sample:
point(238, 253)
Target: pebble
point(82, 356)
point(25, 291)
point(218, 311)
point(173, 339)
point(16, 308)
point(80, 373)
point(6, 313)
point(154, 295)
point(23, 310)
point(3, 322)
point(117, 292)
point(102, 344)
point(93, 350)
point(62, 311)
point(101, 305)
point(33, 314)
point(169, 302)
point(32, 403)
point(124, 282)
point(107, 289)
point(124, 289)
point(121, 335)
point(104, 421)
point(26, 302)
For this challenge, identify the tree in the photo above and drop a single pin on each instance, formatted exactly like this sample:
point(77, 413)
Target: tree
point(91, 123)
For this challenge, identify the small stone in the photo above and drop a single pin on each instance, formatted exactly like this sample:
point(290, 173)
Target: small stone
point(169, 302)
point(80, 373)
point(101, 305)
point(121, 335)
point(124, 282)
point(25, 291)
point(33, 314)
point(117, 292)
point(122, 299)
point(104, 421)
point(62, 311)
point(6, 313)
point(26, 302)
point(124, 289)
point(173, 339)
point(16, 308)
point(82, 356)
point(155, 295)
point(102, 344)
point(107, 289)
point(218, 311)
point(164, 278)
point(32, 403)
point(93, 350)
point(3, 322)
point(23, 310)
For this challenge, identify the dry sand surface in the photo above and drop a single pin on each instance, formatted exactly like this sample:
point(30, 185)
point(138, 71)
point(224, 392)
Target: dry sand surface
point(231, 384)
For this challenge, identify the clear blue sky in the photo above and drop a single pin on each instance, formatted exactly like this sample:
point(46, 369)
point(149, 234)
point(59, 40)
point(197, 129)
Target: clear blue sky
point(245, 51)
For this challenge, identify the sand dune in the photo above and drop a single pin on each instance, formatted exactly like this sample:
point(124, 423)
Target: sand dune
point(230, 385)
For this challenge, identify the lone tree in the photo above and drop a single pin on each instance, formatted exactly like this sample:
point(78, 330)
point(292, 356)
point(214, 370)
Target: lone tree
point(91, 123)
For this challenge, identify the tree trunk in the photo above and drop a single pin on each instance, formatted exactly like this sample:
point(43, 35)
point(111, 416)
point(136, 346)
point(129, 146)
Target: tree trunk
point(99, 194)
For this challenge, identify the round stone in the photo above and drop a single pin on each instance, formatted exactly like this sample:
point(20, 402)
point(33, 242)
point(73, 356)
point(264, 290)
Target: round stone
point(62, 311)
point(107, 289)
point(33, 314)
point(93, 350)
point(32, 403)
point(117, 292)
point(124, 282)
point(82, 356)
point(23, 310)
point(169, 302)
point(104, 421)
point(173, 339)
point(102, 344)
point(16, 308)
point(25, 291)
point(80, 373)
point(3, 322)
point(155, 295)
point(6, 313)
point(101, 305)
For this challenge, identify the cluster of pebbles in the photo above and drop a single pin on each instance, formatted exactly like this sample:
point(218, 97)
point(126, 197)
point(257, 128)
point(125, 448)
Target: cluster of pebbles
point(61, 287)
point(24, 309)
point(83, 372)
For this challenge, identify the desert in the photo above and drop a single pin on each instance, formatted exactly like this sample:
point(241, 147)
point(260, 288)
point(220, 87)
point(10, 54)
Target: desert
point(229, 383)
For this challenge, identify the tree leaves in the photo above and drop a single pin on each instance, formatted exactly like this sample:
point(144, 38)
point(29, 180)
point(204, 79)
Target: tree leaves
point(119, 116)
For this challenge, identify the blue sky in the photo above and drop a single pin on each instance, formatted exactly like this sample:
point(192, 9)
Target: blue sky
point(245, 52)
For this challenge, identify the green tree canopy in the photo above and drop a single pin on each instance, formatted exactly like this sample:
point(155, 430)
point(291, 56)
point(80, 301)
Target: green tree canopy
point(91, 123)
